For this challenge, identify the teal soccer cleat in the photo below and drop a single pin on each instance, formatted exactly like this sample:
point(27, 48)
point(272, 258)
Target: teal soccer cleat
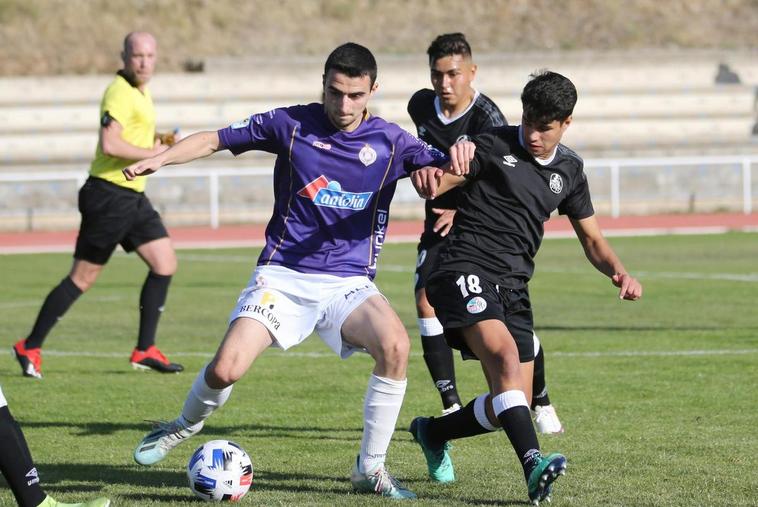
point(541, 478)
point(438, 460)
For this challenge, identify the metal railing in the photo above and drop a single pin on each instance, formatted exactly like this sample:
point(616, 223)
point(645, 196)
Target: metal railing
point(614, 188)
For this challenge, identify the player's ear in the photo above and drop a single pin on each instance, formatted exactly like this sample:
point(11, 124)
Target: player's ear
point(565, 124)
point(374, 87)
point(473, 71)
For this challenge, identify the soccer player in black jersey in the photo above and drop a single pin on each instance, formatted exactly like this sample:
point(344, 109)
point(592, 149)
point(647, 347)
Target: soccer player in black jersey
point(518, 176)
point(452, 111)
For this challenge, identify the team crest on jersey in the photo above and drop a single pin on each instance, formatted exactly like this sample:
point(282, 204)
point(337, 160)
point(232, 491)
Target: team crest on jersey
point(367, 155)
point(330, 195)
point(556, 183)
point(476, 305)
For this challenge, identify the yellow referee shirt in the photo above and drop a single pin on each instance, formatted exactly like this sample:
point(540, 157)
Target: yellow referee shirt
point(133, 109)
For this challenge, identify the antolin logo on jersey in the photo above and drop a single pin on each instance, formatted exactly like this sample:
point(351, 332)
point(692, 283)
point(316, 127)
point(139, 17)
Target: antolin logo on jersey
point(330, 194)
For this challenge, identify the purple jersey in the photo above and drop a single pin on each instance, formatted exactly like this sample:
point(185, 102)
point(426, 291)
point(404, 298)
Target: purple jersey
point(332, 189)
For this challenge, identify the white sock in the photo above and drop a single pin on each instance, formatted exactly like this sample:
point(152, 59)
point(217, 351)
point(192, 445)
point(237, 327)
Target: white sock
point(202, 400)
point(381, 408)
point(508, 399)
point(480, 412)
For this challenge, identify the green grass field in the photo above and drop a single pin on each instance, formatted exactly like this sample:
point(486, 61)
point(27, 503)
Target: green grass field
point(658, 396)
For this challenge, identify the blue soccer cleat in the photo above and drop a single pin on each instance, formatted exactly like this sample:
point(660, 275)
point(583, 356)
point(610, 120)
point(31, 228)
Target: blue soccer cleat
point(541, 478)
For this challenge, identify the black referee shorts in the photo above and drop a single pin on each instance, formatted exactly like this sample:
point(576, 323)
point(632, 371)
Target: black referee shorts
point(113, 215)
point(462, 299)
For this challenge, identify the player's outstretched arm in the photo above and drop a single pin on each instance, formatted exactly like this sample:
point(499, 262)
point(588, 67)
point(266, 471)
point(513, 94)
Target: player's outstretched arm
point(430, 182)
point(605, 260)
point(196, 146)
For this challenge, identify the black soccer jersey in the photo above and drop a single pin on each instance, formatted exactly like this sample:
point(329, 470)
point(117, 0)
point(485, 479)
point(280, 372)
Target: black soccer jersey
point(504, 204)
point(441, 132)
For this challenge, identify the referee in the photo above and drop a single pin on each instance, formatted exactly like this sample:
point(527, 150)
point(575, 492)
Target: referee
point(117, 212)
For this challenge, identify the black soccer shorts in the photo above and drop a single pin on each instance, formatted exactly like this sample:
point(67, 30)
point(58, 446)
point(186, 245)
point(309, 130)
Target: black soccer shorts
point(463, 299)
point(111, 216)
point(429, 249)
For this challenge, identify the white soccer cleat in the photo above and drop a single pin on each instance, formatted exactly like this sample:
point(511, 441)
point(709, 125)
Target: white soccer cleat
point(547, 420)
point(164, 437)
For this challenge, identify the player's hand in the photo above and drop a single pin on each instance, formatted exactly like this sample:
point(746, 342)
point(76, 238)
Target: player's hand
point(444, 221)
point(426, 180)
point(141, 168)
point(461, 153)
point(630, 287)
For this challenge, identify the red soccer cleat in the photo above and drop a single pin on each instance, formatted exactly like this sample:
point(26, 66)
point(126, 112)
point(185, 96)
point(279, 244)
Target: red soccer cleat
point(153, 359)
point(29, 359)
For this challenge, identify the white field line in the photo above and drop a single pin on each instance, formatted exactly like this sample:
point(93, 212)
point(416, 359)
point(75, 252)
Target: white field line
point(400, 238)
point(12, 305)
point(590, 354)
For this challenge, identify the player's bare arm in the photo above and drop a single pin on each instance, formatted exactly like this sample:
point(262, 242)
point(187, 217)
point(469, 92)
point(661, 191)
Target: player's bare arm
point(114, 145)
point(191, 148)
point(431, 182)
point(605, 260)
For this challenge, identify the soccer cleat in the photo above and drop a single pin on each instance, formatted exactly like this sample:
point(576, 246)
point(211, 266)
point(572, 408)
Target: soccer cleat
point(542, 476)
point(438, 460)
point(546, 419)
point(153, 359)
point(379, 482)
point(164, 437)
point(455, 407)
point(29, 359)
point(51, 502)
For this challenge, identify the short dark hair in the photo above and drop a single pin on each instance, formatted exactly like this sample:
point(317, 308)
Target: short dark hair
point(448, 44)
point(549, 96)
point(352, 60)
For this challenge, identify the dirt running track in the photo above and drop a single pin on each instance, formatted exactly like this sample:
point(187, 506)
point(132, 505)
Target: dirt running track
point(252, 235)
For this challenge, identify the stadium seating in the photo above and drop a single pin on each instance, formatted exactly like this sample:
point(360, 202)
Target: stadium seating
point(631, 104)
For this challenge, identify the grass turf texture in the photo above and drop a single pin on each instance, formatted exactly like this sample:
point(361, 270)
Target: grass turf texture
point(658, 396)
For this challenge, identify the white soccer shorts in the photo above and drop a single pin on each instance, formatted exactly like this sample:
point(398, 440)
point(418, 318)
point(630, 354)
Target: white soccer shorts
point(292, 305)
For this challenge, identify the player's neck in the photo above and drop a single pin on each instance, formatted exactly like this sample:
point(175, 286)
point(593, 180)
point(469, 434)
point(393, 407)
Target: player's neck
point(451, 111)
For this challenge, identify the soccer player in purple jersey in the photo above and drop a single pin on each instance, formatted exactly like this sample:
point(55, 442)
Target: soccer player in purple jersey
point(335, 173)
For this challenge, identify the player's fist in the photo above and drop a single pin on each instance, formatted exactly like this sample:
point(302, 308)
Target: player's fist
point(141, 168)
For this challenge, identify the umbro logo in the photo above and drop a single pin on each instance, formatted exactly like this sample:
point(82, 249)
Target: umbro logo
point(33, 477)
point(510, 160)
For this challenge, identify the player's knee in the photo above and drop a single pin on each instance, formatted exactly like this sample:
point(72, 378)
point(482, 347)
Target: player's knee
point(166, 266)
point(221, 374)
point(395, 349)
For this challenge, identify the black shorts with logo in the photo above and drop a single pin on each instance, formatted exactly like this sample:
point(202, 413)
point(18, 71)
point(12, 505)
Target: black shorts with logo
point(113, 215)
point(428, 251)
point(463, 299)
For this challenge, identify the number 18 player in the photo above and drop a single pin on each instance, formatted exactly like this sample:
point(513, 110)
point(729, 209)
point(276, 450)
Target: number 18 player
point(518, 176)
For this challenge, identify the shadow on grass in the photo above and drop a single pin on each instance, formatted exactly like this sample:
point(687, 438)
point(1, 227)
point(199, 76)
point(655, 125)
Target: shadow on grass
point(90, 478)
point(248, 430)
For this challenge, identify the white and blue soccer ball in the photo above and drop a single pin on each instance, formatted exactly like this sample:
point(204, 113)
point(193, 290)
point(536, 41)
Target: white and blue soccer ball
point(220, 471)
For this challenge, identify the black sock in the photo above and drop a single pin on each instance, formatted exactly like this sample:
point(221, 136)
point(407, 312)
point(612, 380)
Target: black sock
point(16, 462)
point(56, 304)
point(439, 360)
point(539, 387)
point(460, 424)
point(151, 301)
point(517, 423)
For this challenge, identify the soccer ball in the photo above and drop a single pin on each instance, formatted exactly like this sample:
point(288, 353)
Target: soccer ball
point(220, 471)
